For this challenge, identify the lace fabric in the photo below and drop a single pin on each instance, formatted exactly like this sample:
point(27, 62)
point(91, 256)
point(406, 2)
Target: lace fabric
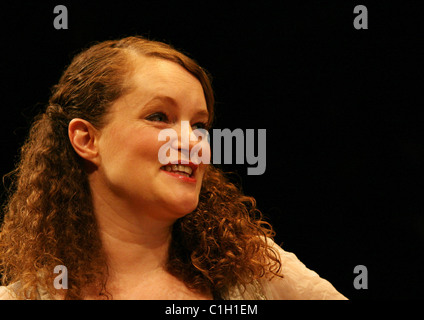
point(298, 283)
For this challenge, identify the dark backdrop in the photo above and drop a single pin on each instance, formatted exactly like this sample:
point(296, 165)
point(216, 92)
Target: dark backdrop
point(341, 108)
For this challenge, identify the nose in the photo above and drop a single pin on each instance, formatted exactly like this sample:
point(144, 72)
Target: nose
point(183, 143)
point(190, 146)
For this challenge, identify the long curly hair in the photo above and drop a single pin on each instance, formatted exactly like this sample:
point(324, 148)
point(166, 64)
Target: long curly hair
point(49, 218)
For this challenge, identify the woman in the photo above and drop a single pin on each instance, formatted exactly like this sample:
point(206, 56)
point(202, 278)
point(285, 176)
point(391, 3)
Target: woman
point(91, 195)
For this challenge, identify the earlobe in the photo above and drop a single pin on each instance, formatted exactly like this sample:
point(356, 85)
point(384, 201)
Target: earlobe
point(83, 137)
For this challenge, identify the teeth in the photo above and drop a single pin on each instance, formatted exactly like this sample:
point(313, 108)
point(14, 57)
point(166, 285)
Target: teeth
point(179, 168)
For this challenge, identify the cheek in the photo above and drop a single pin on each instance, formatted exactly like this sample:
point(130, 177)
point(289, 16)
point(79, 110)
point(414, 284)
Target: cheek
point(201, 153)
point(201, 172)
point(147, 145)
point(131, 148)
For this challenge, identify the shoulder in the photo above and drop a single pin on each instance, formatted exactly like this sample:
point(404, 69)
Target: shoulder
point(6, 293)
point(298, 281)
point(9, 292)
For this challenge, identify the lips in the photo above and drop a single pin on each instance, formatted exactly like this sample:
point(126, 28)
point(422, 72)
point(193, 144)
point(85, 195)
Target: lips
point(184, 170)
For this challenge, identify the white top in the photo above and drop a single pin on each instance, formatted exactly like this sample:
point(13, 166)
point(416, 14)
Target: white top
point(298, 283)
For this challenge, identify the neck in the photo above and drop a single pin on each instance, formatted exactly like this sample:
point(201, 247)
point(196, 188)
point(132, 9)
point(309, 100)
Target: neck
point(135, 243)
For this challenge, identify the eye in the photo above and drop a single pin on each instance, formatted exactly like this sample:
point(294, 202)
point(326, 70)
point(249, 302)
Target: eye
point(158, 116)
point(199, 125)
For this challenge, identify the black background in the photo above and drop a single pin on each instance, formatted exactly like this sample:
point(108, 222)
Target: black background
point(341, 107)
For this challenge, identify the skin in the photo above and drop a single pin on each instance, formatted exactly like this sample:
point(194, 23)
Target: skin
point(135, 201)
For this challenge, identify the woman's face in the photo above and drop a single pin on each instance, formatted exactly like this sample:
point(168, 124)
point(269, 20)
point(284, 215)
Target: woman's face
point(164, 94)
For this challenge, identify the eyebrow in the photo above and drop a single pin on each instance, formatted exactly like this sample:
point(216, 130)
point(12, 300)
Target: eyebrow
point(174, 103)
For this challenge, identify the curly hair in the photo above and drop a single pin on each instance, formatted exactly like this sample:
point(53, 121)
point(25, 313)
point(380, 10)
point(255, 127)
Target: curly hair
point(49, 217)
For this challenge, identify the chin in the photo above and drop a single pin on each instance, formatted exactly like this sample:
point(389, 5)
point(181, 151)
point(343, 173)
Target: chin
point(184, 207)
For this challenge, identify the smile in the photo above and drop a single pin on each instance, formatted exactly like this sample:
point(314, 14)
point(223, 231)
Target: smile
point(178, 168)
point(185, 172)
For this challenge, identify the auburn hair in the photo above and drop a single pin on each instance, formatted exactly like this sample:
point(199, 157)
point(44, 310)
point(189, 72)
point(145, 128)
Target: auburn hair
point(49, 218)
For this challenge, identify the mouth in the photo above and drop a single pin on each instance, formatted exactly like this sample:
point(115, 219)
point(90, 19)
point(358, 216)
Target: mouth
point(185, 170)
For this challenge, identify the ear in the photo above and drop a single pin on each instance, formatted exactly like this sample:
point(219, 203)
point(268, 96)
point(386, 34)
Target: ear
point(83, 137)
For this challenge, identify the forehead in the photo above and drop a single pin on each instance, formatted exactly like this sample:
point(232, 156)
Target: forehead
point(153, 76)
point(154, 82)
